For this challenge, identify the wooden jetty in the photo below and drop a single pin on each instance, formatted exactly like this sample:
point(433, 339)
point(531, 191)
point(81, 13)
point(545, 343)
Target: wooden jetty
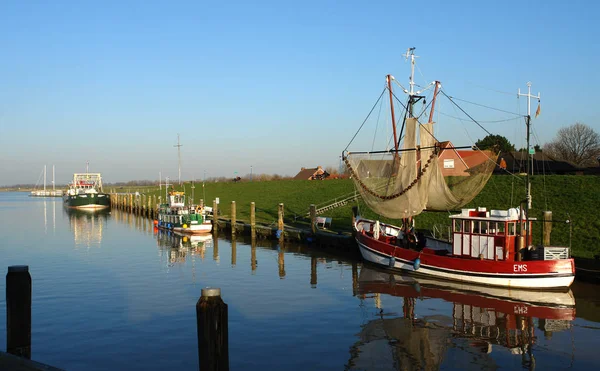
point(147, 206)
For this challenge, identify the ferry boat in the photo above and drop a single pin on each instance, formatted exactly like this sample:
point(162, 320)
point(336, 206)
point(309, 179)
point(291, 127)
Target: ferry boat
point(489, 247)
point(176, 216)
point(85, 192)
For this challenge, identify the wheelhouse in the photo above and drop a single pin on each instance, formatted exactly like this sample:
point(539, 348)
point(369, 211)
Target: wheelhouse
point(491, 235)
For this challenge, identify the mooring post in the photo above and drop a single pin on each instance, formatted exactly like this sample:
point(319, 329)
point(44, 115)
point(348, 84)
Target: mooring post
point(313, 271)
point(215, 216)
point(253, 219)
point(233, 221)
point(313, 218)
point(547, 227)
point(280, 221)
point(18, 311)
point(213, 342)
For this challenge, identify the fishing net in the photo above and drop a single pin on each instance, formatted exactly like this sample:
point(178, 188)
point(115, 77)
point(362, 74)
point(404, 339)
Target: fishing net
point(424, 175)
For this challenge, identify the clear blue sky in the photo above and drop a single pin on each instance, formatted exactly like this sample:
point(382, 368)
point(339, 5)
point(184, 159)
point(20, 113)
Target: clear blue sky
point(275, 85)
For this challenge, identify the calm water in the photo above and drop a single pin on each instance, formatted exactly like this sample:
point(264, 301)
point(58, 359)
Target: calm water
point(109, 293)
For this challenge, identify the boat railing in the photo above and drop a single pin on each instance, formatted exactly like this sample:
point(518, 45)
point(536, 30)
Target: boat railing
point(441, 231)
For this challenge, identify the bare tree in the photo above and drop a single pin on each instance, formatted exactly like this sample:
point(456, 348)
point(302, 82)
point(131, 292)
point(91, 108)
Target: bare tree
point(578, 144)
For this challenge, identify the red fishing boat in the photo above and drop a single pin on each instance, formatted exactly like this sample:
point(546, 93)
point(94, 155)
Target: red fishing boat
point(420, 173)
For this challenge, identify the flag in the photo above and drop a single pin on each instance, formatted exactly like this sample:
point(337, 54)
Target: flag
point(539, 110)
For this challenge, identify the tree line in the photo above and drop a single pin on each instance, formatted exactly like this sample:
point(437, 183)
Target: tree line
point(577, 144)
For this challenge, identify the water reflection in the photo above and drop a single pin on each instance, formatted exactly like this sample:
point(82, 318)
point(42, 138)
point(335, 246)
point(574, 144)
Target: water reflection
point(87, 226)
point(178, 247)
point(481, 319)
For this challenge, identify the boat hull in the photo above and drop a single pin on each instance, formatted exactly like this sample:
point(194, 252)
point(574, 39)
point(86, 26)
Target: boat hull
point(87, 201)
point(535, 274)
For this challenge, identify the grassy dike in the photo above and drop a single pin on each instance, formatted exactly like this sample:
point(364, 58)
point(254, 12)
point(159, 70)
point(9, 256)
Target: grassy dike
point(575, 198)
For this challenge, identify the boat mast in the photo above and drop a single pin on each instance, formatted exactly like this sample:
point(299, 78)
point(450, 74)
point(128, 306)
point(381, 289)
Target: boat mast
point(389, 83)
point(53, 178)
point(529, 154)
point(411, 53)
point(178, 157)
point(44, 180)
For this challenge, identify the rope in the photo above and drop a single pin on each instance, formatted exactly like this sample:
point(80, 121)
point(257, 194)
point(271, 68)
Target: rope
point(482, 105)
point(366, 118)
point(395, 195)
point(463, 111)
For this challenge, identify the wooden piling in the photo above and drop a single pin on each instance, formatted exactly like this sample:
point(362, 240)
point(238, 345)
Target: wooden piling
point(215, 216)
point(18, 311)
point(253, 219)
point(547, 227)
point(280, 219)
point(212, 324)
point(313, 218)
point(233, 220)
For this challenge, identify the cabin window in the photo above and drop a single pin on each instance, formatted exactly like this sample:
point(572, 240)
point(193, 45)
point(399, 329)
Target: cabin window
point(511, 229)
point(467, 226)
point(457, 225)
point(484, 227)
point(476, 228)
point(496, 228)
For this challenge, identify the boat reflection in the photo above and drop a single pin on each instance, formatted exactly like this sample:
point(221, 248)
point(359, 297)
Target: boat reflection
point(178, 246)
point(87, 226)
point(482, 318)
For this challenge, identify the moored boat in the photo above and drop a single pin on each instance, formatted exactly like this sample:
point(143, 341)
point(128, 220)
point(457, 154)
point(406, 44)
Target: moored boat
point(489, 247)
point(85, 192)
point(175, 215)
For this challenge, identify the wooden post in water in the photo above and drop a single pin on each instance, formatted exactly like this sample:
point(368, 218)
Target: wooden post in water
point(233, 220)
point(313, 218)
point(280, 221)
point(253, 219)
point(313, 271)
point(18, 311)
point(215, 216)
point(547, 227)
point(213, 341)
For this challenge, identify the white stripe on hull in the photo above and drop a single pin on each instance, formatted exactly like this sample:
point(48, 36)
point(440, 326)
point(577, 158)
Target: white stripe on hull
point(519, 281)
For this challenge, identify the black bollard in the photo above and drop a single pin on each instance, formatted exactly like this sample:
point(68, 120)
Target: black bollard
point(18, 311)
point(213, 343)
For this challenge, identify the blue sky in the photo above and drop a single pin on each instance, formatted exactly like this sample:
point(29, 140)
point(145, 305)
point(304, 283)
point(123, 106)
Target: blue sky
point(275, 85)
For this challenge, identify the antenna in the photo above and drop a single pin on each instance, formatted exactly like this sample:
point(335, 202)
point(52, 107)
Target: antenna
point(410, 53)
point(179, 156)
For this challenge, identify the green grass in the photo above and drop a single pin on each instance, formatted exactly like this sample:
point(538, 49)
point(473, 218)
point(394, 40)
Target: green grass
point(569, 197)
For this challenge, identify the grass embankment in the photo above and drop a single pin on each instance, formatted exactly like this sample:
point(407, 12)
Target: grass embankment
point(575, 198)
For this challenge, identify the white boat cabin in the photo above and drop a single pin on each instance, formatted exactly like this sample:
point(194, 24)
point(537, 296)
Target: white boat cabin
point(491, 235)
